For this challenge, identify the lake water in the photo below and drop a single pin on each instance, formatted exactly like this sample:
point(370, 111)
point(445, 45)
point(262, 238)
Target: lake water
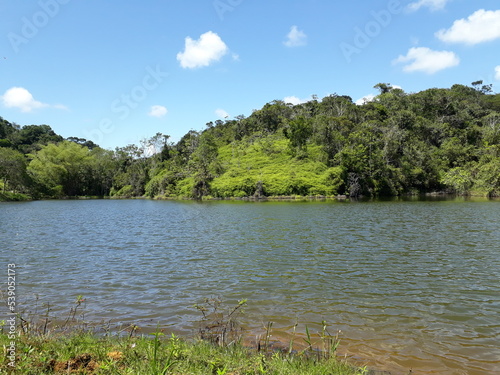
point(412, 284)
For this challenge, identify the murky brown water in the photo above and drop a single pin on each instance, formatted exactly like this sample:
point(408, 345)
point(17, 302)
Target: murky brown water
point(411, 284)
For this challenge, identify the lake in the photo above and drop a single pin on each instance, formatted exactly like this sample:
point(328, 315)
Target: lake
point(411, 283)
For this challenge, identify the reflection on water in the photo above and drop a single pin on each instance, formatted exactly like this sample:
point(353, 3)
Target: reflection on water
point(411, 284)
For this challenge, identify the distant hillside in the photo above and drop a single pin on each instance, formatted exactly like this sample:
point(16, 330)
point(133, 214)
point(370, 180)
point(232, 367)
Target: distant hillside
point(399, 143)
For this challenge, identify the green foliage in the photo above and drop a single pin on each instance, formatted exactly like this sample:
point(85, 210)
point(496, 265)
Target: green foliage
point(12, 170)
point(31, 137)
point(45, 346)
point(69, 169)
point(5, 143)
point(487, 179)
point(12, 197)
point(459, 179)
point(492, 102)
point(399, 143)
point(203, 165)
point(298, 132)
point(185, 187)
point(61, 168)
point(83, 353)
point(125, 192)
point(6, 128)
point(163, 184)
point(265, 167)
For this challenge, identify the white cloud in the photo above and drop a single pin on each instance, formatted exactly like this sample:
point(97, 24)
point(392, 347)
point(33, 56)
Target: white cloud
point(158, 111)
point(481, 26)
point(295, 38)
point(202, 52)
point(294, 100)
point(426, 60)
point(19, 97)
point(497, 73)
point(365, 99)
point(60, 106)
point(221, 113)
point(431, 4)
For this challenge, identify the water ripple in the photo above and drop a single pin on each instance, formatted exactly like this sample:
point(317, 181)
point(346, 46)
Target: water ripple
point(411, 284)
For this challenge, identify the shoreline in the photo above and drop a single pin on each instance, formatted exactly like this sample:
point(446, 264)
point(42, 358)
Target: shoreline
point(270, 344)
point(216, 320)
point(284, 198)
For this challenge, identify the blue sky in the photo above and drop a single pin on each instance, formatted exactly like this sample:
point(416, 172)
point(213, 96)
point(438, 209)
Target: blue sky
point(116, 71)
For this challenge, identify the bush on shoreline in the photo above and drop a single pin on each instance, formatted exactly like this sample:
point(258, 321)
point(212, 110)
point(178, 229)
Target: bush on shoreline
point(14, 197)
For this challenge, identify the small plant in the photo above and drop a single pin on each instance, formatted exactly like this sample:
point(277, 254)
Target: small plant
point(219, 325)
point(132, 329)
point(71, 317)
point(268, 336)
point(46, 320)
point(330, 342)
point(308, 340)
point(169, 362)
point(290, 348)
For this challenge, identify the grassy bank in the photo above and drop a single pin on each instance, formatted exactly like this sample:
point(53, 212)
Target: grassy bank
point(85, 353)
point(36, 342)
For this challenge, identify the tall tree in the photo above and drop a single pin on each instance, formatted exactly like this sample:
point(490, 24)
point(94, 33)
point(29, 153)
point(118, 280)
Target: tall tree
point(64, 168)
point(298, 131)
point(12, 169)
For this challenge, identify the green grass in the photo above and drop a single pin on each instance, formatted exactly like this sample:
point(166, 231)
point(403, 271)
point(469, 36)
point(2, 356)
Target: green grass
point(84, 353)
point(39, 343)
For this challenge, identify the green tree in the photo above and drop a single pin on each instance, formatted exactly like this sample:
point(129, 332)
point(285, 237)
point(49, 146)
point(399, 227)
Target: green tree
point(491, 129)
point(487, 179)
point(133, 166)
point(12, 169)
point(298, 132)
point(83, 142)
point(102, 168)
point(271, 117)
point(31, 137)
point(459, 179)
point(64, 168)
point(203, 165)
point(384, 88)
point(6, 128)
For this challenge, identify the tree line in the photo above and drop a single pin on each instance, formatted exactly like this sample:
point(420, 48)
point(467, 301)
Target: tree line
point(398, 143)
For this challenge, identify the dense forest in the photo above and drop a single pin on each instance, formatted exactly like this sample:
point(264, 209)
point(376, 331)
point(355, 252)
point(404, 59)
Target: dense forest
point(400, 143)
